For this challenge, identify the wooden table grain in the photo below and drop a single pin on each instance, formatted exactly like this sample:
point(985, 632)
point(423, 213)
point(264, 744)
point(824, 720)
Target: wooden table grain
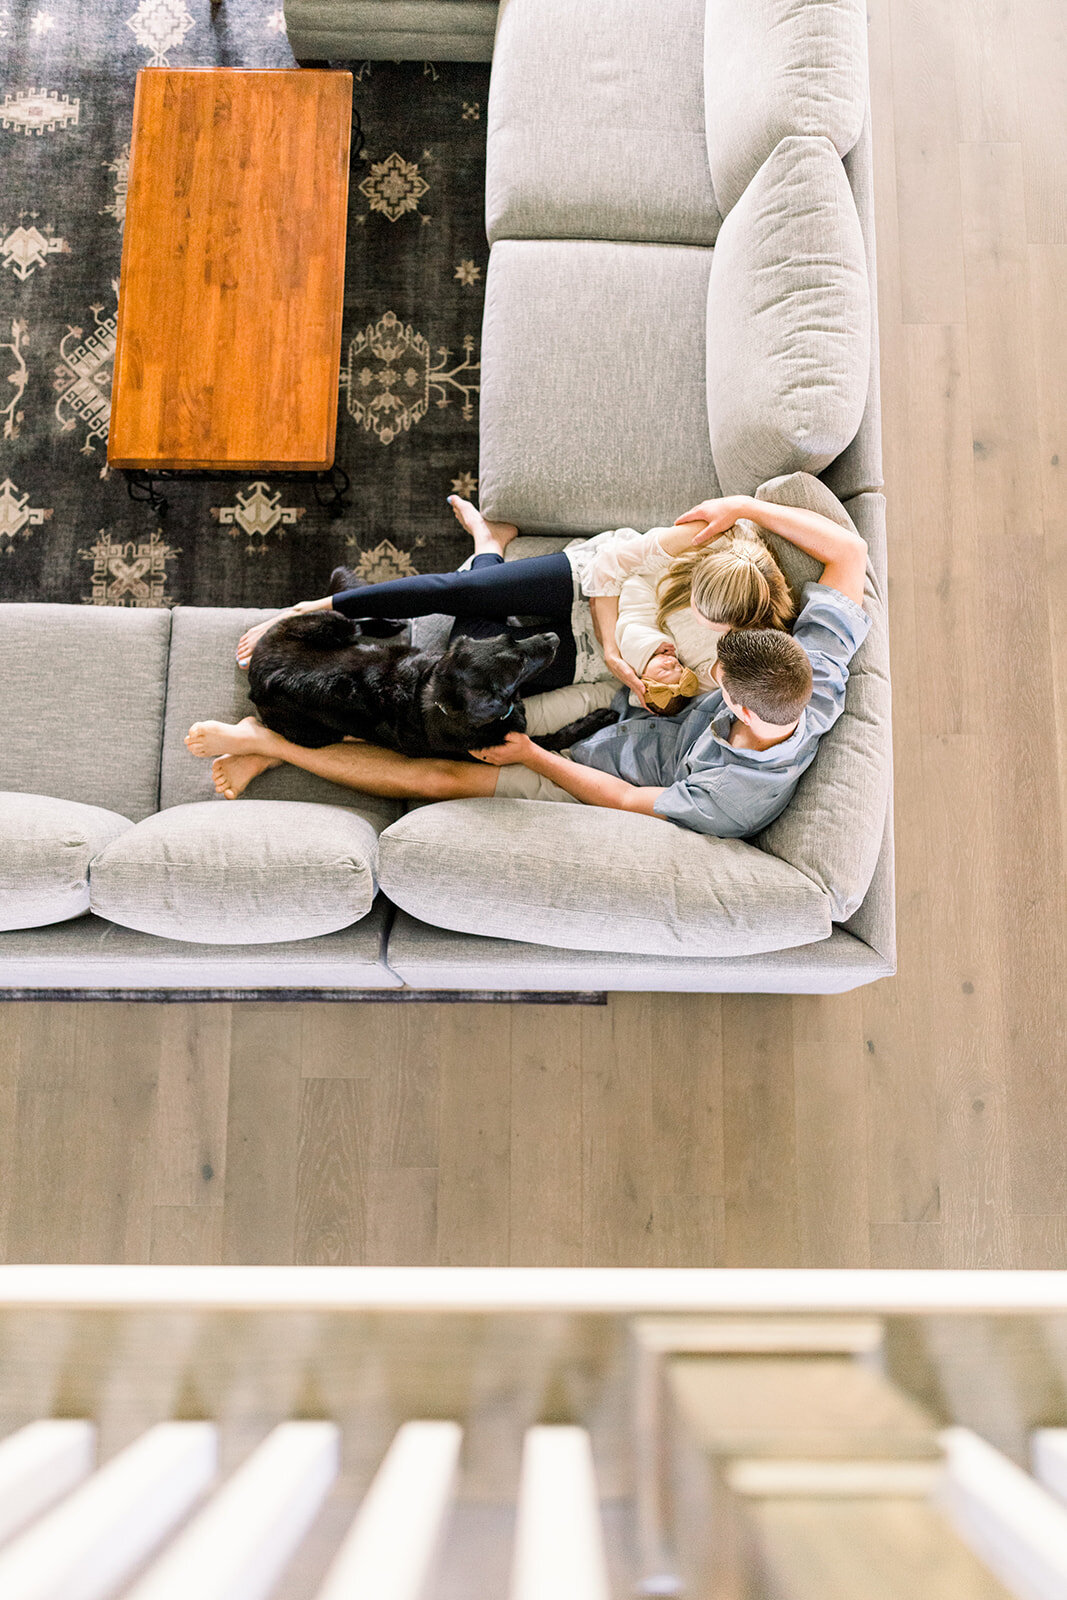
point(231, 294)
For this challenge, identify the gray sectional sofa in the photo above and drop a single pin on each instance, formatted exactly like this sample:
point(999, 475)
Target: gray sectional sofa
point(679, 303)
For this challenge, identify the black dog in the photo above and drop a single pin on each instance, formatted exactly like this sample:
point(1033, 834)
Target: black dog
point(315, 677)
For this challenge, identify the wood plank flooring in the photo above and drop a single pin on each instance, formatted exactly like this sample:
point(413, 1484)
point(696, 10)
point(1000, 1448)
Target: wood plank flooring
point(920, 1122)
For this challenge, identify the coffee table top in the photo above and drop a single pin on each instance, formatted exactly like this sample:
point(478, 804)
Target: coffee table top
point(232, 286)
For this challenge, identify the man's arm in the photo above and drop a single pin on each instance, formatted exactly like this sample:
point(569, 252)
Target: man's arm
point(593, 788)
point(842, 552)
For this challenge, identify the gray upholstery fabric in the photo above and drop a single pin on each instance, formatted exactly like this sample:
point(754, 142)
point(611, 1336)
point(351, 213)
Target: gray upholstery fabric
point(391, 30)
point(205, 682)
point(596, 124)
point(67, 673)
point(45, 849)
point(94, 954)
point(832, 828)
point(875, 920)
point(593, 408)
point(859, 468)
point(788, 321)
point(778, 67)
point(586, 878)
point(433, 958)
point(262, 872)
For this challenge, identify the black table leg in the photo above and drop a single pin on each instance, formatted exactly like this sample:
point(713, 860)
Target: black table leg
point(140, 486)
point(330, 489)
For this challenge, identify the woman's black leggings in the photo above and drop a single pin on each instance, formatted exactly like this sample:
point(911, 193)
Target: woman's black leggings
point(482, 599)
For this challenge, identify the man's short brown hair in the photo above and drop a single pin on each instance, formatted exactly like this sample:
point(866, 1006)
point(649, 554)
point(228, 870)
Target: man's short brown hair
point(766, 671)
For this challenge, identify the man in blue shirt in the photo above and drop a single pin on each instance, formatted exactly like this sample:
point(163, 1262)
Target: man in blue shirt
point(728, 765)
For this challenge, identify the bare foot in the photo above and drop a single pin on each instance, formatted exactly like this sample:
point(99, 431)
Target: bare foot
point(233, 774)
point(225, 738)
point(489, 537)
point(248, 640)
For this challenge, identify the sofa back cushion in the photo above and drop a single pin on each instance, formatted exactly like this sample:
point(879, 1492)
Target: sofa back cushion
point(391, 30)
point(788, 321)
point(81, 703)
point(587, 878)
point(205, 681)
point(46, 846)
point(257, 872)
point(774, 68)
point(832, 828)
point(596, 124)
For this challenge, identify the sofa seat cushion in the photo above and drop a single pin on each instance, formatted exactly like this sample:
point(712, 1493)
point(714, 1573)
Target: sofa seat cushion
point(832, 828)
point(251, 872)
point(46, 846)
point(586, 878)
point(788, 321)
point(205, 681)
point(596, 124)
point(593, 405)
point(81, 703)
point(774, 68)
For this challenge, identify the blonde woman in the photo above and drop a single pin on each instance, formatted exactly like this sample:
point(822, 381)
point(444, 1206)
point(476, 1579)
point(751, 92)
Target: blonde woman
point(673, 610)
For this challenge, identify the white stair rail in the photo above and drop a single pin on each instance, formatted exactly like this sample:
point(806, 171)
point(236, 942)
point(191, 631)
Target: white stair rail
point(1013, 1524)
point(238, 1545)
point(389, 1550)
point(39, 1465)
point(1048, 1452)
point(95, 1539)
point(559, 1541)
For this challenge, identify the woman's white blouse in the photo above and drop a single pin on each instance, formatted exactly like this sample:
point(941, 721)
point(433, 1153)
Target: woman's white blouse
point(630, 564)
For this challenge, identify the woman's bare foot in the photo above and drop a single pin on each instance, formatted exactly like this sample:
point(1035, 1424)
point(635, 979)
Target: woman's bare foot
point(249, 639)
point(233, 774)
point(489, 537)
point(226, 738)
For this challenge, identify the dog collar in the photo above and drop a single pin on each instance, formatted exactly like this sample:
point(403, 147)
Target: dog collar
point(504, 718)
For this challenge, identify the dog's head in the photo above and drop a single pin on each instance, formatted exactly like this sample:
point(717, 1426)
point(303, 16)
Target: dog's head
point(479, 681)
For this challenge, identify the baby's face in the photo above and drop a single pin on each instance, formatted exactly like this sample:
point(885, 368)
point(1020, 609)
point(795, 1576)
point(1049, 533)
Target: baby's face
point(664, 669)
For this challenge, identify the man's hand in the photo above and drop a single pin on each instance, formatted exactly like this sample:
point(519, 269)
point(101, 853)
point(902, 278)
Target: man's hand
point(512, 753)
point(717, 514)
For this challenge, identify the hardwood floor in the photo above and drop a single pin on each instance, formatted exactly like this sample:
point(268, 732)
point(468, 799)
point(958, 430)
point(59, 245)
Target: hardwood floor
point(920, 1122)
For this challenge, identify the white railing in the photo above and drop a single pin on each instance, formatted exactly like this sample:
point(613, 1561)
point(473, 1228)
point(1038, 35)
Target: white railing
point(1014, 1525)
point(389, 1550)
point(1048, 1452)
point(39, 1465)
point(154, 1517)
point(614, 1290)
point(96, 1538)
point(559, 1544)
point(237, 1547)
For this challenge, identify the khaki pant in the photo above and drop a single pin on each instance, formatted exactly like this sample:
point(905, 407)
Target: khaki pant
point(544, 714)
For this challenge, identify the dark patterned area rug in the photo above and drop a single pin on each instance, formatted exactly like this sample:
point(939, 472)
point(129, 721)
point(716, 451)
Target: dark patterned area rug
point(414, 286)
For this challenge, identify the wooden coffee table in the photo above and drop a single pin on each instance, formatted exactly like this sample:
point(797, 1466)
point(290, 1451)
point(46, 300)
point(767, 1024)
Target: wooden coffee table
point(231, 294)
